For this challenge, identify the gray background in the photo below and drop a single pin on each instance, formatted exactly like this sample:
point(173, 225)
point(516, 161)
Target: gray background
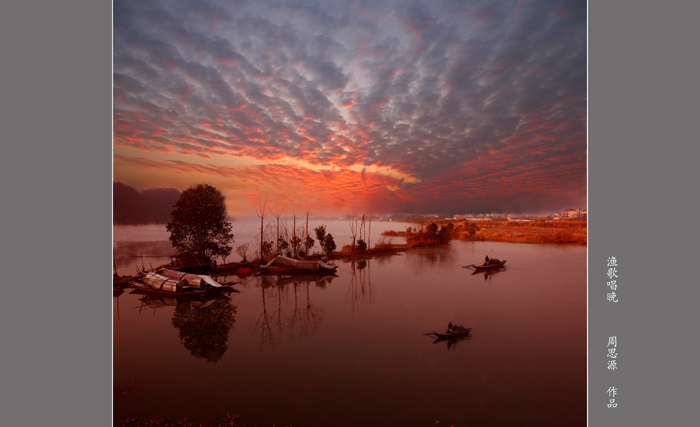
point(56, 213)
point(56, 228)
point(643, 199)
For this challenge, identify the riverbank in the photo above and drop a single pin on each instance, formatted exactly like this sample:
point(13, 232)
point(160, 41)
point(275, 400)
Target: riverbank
point(565, 231)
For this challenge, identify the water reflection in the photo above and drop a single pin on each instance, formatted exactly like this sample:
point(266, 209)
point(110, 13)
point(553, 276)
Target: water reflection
point(116, 293)
point(203, 322)
point(204, 328)
point(452, 341)
point(488, 274)
point(360, 289)
point(302, 320)
point(426, 259)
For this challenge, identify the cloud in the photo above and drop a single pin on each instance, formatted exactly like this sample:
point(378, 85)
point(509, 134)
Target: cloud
point(410, 89)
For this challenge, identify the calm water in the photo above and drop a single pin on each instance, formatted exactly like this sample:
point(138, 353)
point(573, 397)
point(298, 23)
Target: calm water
point(350, 351)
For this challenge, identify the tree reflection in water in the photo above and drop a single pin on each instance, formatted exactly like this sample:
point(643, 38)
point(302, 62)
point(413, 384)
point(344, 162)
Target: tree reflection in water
point(204, 328)
point(424, 259)
point(304, 321)
point(360, 283)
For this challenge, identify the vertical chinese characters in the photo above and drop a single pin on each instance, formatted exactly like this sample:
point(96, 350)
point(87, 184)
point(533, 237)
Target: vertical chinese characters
point(612, 275)
point(612, 392)
point(612, 353)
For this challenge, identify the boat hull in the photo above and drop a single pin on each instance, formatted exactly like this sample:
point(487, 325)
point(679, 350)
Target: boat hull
point(499, 264)
point(143, 289)
point(446, 334)
point(451, 334)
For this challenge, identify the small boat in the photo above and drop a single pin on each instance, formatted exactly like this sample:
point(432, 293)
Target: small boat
point(456, 331)
point(493, 263)
point(284, 265)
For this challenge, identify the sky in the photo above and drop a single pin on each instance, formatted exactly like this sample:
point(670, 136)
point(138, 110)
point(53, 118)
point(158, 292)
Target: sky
point(452, 107)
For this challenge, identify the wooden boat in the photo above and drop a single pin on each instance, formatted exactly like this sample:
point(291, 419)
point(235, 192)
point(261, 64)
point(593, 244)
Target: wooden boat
point(198, 281)
point(140, 288)
point(489, 265)
point(457, 331)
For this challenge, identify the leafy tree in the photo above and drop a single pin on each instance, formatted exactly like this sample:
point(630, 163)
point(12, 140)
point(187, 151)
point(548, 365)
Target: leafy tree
point(328, 244)
point(431, 230)
point(309, 243)
point(295, 244)
point(361, 245)
point(320, 233)
point(444, 235)
point(282, 245)
point(199, 223)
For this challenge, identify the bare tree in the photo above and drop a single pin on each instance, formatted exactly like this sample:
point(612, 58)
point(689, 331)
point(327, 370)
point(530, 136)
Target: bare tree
point(261, 211)
point(363, 229)
point(277, 215)
point(294, 234)
point(306, 240)
point(369, 236)
point(352, 219)
point(242, 251)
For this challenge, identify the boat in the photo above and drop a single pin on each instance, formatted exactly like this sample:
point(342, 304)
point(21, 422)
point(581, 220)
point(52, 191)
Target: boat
point(185, 291)
point(494, 263)
point(457, 331)
point(198, 281)
point(285, 265)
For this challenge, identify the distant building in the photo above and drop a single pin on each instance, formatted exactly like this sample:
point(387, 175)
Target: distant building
point(574, 213)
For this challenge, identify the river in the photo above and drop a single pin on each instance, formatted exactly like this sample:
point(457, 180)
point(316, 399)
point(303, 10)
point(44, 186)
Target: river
point(350, 350)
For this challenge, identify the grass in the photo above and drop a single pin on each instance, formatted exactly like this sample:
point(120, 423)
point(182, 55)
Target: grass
point(573, 231)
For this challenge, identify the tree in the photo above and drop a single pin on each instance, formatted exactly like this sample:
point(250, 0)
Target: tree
point(261, 211)
point(309, 244)
point(320, 233)
point(328, 244)
point(242, 251)
point(361, 245)
point(431, 230)
point(199, 223)
point(352, 219)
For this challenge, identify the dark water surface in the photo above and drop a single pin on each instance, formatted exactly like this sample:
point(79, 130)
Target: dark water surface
point(350, 351)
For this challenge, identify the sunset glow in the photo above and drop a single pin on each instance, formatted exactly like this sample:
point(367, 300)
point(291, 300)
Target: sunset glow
point(386, 106)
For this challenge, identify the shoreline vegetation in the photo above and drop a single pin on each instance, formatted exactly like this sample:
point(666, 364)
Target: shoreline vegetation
point(563, 231)
point(428, 232)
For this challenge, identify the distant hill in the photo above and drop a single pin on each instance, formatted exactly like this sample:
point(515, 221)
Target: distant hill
point(149, 206)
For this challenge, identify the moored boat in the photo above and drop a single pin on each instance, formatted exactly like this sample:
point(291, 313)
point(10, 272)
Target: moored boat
point(183, 291)
point(199, 281)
